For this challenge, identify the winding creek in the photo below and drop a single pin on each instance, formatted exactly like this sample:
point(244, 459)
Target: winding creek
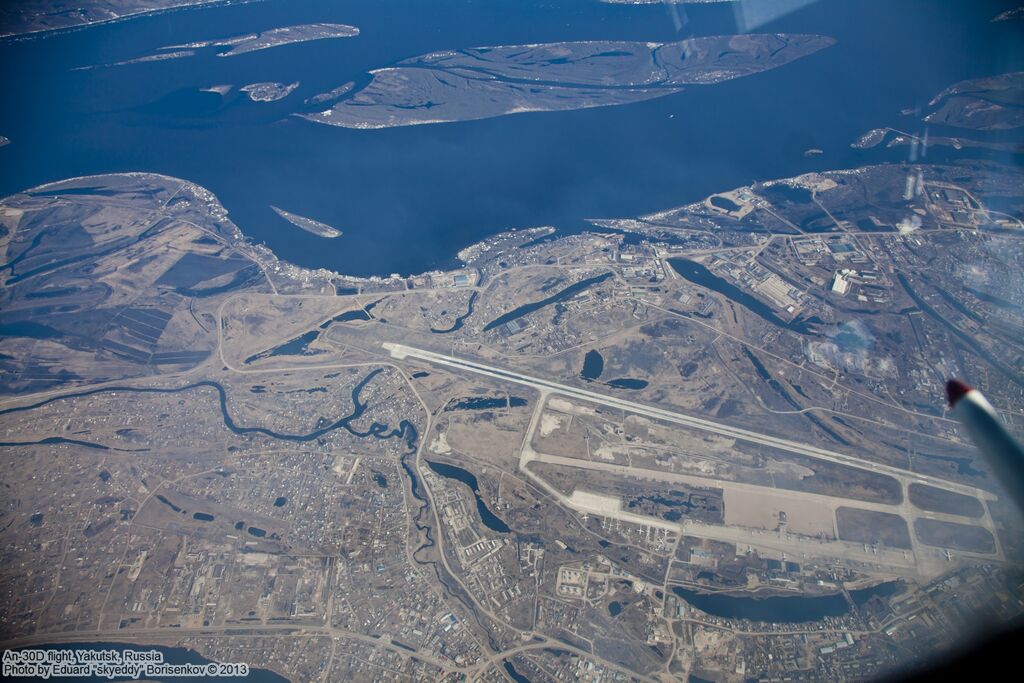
point(405, 430)
point(457, 325)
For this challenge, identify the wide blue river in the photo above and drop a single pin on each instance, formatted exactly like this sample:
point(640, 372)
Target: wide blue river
point(407, 199)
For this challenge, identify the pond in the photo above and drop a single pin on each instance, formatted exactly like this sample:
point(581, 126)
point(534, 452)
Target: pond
point(490, 520)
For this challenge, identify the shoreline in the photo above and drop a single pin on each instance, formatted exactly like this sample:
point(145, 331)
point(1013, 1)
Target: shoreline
point(60, 30)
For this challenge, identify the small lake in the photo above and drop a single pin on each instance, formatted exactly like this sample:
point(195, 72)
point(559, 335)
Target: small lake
point(485, 403)
point(490, 520)
point(784, 609)
point(593, 365)
point(563, 294)
point(725, 204)
point(293, 347)
point(700, 275)
point(628, 383)
point(779, 610)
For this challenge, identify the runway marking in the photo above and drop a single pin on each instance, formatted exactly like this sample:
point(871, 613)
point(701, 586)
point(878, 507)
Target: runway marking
point(400, 351)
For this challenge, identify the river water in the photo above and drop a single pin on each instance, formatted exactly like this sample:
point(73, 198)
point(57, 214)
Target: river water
point(407, 199)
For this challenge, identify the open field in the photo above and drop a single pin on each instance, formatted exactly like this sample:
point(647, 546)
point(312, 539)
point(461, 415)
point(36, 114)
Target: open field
point(952, 535)
point(939, 500)
point(868, 526)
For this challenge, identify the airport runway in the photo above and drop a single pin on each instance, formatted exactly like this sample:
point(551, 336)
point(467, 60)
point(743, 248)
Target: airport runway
point(924, 560)
point(400, 351)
